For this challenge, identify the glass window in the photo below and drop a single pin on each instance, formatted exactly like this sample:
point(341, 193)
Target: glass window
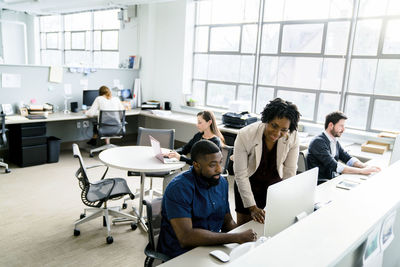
point(244, 96)
point(327, 104)
point(106, 19)
point(249, 39)
point(380, 118)
point(341, 8)
point(306, 9)
point(337, 38)
point(304, 102)
point(268, 72)
point(302, 38)
point(106, 59)
point(388, 77)
point(109, 40)
point(356, 110)
point(225, 38)
point(201, 42)
point(270, 38)
point(332, 74)
point(220, 95)
point(367, 37)
point(300, 72)
point(78, 40)
point(273, 10)
point(371, 8)
point(78, 21)
point(391, 44)
point(51, 57)
point(199, 90)
point(264, 95)
point(78, 58)
point(50, 23)
point(362, 75)
point(52, 41)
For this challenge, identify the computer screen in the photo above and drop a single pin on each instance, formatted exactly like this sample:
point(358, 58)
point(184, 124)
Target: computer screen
point(288, 199)
point(395, 151)
point(125, 94)
point(89, 96)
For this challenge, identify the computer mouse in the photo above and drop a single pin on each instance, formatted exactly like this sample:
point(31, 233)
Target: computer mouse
point(220, 255)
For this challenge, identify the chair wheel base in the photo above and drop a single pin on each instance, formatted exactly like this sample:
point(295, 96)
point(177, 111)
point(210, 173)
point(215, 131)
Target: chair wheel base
point(109, 239)
point(124, 206)
point(91, 155)
point(7, 170)
point(77, 232)
point(83, 215)
point(133, 226)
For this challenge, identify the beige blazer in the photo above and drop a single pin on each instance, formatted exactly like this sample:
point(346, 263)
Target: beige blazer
point(247, 157)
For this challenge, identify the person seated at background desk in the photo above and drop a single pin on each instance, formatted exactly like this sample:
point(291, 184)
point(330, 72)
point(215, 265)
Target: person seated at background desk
point(195, 207)
point(325, 151)
point(105, 101)
point(264, 153)
point(208, 129)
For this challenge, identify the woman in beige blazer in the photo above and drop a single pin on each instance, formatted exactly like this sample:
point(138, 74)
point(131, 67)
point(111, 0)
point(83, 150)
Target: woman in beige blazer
point(265, 153)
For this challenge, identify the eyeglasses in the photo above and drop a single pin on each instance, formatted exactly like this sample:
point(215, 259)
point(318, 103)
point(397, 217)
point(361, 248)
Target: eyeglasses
point(277, 128)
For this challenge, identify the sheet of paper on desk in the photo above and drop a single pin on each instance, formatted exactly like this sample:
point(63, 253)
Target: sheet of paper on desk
point(158, 112)
point(16, 118)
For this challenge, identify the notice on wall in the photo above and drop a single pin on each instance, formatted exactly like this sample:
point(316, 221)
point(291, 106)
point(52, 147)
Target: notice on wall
point(56, 74)
point(9, 80)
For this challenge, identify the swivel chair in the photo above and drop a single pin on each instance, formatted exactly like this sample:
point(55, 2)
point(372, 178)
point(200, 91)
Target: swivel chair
point(227, 152)
point(166, 138)
point(111, 125)
point(302, 161)
point(3, 141)
point(153, 209)
point(95, 195)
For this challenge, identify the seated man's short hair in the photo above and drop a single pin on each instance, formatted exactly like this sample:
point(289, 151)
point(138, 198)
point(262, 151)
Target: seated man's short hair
point(202, 148)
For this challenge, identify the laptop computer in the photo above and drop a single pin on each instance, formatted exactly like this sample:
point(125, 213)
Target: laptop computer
point(155, 144)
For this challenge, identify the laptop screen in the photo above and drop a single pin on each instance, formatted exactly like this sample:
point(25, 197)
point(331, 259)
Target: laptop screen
point(155, 144)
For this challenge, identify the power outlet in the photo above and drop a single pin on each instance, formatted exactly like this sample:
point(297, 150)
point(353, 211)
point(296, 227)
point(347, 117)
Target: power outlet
point(85, 124)
point(78, 124)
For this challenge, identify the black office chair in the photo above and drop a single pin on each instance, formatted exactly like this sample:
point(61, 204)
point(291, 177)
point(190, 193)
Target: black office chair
point(96, 195)
point(3, 141)
point(153, 209)
point(227, 152)
point(111, 125)
point(166, 138)
point(302, 161)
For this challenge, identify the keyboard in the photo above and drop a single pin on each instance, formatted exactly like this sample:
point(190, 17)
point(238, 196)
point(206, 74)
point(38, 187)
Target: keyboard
point(36, 117)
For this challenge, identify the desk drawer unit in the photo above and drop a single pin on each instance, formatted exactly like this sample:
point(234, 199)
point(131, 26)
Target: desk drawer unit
point(28, 144)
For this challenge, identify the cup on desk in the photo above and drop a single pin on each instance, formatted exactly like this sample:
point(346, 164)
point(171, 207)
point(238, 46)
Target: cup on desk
point(167, 105)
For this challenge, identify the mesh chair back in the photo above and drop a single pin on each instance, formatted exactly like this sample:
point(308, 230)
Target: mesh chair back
point(302, 161)
point(166, 137)
point(81, 173)
point(153, 209)
point(112, 123)
point(227, 152)
point(3, 137)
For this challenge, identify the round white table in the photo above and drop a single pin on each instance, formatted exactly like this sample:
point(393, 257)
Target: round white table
point(138, 159)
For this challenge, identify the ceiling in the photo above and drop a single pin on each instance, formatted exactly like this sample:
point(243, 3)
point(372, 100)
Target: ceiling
point(44, 7)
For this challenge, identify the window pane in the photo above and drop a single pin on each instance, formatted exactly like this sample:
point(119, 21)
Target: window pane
point(78, 21)
point(362, 75)
point(106, 19)
point(332, 74)
point(235, 14)
point(367, 37)
point(89, 40)
point(394, 7)
point(268, 70)
point(380, 119)
point(52, 41)
point(78, 40)
point(50, 23)
point(106, 59)
point(327, 104)
point(220, 95)
point(302, 38)
point(249, 38)
point(388, 77)
point(201, 39)
point(203, 12)
point(97, 40)
point(306, 9)
point(303, 101)
point(244, 96)
point(198, 92)
point(67, 40)
point(225, 38)
point(264, 95)
point(337, 37)
point(109, 40)
point(356, 110)
point(391, 44)
point(78, 58)
point(270, 38)
point(43, 40)
point(273, 10)
point(300, 72)
point(370, 8)
point(230, 68)
point(251, 10)
point(200, 66)
point(341, 8)
point(246, 69)
point(51, 58)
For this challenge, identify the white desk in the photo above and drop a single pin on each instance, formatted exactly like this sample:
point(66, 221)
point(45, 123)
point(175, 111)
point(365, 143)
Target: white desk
point(138, 159)
point(322, 238)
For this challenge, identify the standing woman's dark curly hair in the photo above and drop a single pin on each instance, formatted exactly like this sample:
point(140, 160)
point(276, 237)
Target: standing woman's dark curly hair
point(279, 108)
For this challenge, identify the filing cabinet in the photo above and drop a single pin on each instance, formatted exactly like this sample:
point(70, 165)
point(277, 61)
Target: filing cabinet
point(28, 144)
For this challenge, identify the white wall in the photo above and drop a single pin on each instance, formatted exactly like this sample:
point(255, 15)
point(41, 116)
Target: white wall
point(161, 44)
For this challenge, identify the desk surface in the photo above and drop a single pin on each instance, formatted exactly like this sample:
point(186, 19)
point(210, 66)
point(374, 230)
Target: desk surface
point(322, 238)
point(136, 158)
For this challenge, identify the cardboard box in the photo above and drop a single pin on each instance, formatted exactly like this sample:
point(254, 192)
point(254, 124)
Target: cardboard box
point(374, 147)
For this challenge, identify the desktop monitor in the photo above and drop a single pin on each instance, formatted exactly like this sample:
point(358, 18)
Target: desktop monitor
point(288, 199)
point(395, 151)
point(125, 94)
point(89, 96)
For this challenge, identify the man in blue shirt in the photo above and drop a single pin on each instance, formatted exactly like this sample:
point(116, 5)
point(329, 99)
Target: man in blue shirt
point(326, 153)
point(195, 208)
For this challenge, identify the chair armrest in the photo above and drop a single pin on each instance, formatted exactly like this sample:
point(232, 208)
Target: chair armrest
point(156, 255)
point(99, 165)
